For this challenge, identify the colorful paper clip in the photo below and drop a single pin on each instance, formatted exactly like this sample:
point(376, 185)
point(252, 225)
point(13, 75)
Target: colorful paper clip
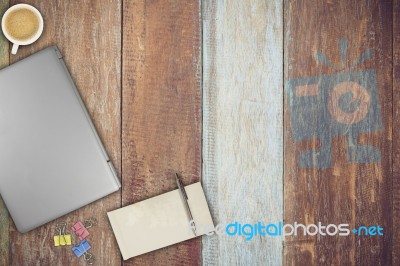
point(82, 249)
point(80, 229)
point(62, 239)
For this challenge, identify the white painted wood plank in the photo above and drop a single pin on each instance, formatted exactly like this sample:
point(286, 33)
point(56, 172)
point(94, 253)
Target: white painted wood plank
point(242, 126)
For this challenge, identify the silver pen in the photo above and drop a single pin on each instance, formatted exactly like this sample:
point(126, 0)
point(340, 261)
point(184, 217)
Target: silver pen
point(185, 198)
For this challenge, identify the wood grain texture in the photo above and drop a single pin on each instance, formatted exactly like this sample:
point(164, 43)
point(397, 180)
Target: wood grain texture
point(242, 125)
point(396, 132)
point(88, 34)
point(4, 217)
point(346, 182)
point(161, 130)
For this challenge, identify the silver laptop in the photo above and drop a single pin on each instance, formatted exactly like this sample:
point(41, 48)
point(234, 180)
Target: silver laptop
point(51, 159)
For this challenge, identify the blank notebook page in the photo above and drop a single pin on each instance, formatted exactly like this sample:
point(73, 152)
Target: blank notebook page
point(160, 221)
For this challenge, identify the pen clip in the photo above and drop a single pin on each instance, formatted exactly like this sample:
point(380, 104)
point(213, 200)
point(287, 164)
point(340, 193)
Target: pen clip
point(182, 190)
point(181, 186)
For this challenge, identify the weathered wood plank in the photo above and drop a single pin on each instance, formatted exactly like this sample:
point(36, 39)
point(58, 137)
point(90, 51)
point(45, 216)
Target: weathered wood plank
point(88, 34)
point(396, 132)
point(338, 137)
point(242, 125)
point(4, 56)
point(4, 217)
point(161, 129)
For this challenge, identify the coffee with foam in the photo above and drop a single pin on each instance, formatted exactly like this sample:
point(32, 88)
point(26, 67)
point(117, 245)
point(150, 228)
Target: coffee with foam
point(22, 24)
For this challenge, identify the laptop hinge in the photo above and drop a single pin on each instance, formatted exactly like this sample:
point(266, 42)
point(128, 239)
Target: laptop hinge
point(110, 164)
point(58, 53)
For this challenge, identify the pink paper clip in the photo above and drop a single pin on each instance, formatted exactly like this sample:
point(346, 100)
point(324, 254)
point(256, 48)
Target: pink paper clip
point(80, 230)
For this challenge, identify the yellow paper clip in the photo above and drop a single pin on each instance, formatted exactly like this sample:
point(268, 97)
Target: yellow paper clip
point(62, 239)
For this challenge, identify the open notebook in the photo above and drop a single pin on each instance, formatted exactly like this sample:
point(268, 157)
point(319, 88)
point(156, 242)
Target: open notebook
point(160, 221)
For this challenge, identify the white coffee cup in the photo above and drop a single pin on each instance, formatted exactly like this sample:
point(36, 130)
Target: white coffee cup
point(33, 38)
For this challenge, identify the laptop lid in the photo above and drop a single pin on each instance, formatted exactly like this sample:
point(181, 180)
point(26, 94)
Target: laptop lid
point(51, 159)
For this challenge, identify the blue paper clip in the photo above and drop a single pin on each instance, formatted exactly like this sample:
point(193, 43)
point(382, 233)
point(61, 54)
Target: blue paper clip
point(81, 248)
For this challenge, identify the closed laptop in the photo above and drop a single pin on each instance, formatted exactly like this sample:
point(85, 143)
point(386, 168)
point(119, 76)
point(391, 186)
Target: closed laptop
point(51, 159)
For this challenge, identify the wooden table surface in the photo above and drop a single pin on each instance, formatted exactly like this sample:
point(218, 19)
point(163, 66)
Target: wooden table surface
point(245, 96)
